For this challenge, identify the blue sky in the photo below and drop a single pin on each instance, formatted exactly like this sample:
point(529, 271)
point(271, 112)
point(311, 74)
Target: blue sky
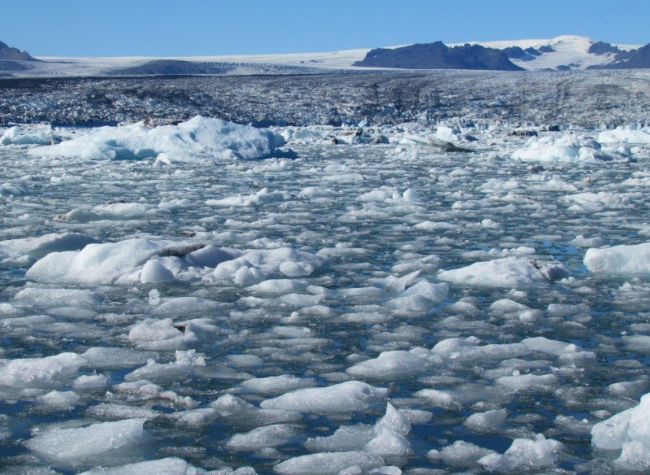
point(213, 27)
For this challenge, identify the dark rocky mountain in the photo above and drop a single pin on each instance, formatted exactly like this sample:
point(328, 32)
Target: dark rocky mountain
point(515, 52)
point(600, 47)
point(439, 56)
point(171, 67)
point(7, 52)
point(634, 59)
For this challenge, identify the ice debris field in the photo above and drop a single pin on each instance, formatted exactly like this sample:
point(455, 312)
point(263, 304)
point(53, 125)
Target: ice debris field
point(212, 297)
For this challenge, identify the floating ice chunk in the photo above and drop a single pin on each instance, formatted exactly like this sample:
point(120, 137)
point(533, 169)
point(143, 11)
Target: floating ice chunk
point(254, 199)
point(277, 287)
point(184, 367)
point(390, 435)
point(145, 391)
point(419, 298)
point(166, 466)
point(240, 412)
point(619, 260)
point(438, 398)
point(161, 335)
point(349, 396)
point(488, 421)
point(114, 357)
point(29, 135)
point(199, 137)
point(210, 256)
point(388, 443)
point(254, 266)
point(117, 211)
point(390, 365)
point(345, 438)
point(154, 272)
point(628, 431)
point(195, 418)
point(90, 382)
point(563, 149)
point(529, 382)
point(590, 202)
point(625, 135)
point(273, 435)
point(27, 250)
point(276, 384)
point(525, 455)
point(78, 446)
point(460, 453)
point(509, 272)
point(581, 241)
point(394, 420)
point(468, 349)
point(48, 298)
point(95, 263)
point(47, 372)
point(58, 400)
point(328, 463)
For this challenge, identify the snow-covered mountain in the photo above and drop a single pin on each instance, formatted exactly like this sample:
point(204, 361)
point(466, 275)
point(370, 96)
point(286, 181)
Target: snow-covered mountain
point(562, 53)
point(557, 54)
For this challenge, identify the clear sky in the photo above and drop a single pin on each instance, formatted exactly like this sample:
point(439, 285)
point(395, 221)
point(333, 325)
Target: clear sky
point(216, 27)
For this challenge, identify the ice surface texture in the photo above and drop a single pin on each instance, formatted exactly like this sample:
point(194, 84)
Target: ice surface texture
point(378, 305)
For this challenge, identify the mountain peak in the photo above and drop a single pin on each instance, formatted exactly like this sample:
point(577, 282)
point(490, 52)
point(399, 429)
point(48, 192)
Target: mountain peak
point(7, 52)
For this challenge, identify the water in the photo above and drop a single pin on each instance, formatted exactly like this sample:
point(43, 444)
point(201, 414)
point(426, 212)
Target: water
point(364, 240)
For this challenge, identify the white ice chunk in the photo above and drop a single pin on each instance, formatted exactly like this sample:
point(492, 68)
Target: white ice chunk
point(47, 372)
point(525, 455)
point(328, 463)
point(166, 466)
point(419, 298)
point(276, 384)
point(488, 421)
point(273, 435)
point(29, 135)
point(349, 396)
point(619, 260)
point(79, 445)
point(628, 431)
point(199, 137)
point(154, 272)
point(390, 365)
point(33, 248)
point(509, 272)
point(95, 263)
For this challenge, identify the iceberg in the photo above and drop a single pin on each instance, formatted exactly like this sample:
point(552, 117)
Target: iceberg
point(199, 137)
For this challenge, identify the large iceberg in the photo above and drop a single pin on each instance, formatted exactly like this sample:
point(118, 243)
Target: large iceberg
point(199, 137)
point(619, 260)
point(629, 432)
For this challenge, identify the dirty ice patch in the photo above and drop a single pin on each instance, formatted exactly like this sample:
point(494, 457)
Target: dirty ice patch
point(619, 260)
point(197, 138)
point(509, 272)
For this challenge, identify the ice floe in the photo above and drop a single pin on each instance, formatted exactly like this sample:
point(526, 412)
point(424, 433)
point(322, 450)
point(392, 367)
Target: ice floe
point(197, 138)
